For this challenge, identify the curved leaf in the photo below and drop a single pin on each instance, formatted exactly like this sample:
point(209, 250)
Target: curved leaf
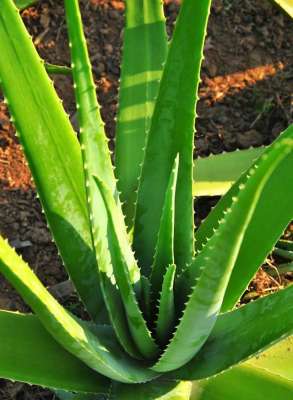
point(217, 259)
point(29, 354)
point(215, 174)
point(159, 389)
point(96, 158)
point(164, 253)
point(52, 150)
point(278, 359)
point(96, 349)
point(243, 382)
point(172, 132)
point(125, 272)
point(166, 315)
point(144, 52)
point(266, 218)
point(242, 333)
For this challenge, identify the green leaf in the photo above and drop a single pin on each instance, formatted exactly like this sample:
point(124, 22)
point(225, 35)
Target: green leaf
point(96, 158)
point(57, 69)
point(95, 346)
point(159, 389)
point(243, 382)
point(281, 269)
point(79, 396)
point(266, 376)
point(164, 253)
point(283, 253)
point(278, 359)
point(172, 132)
point(125, 271)
point(166, 315)
point(94, 144)
point(144, 52)
point(215, 174)
point(267, 218)
point(52, 150)
point(217, 259)
point(22, 4)
point(29, 354)
point(287, 5)
point(145, 298)
point(242, 333)
point(285, 244)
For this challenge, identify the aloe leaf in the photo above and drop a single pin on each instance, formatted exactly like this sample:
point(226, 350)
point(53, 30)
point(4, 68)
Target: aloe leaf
point(278, 359)
point(52, 150)
point(22, 4)
point(215, 174)
point(94, 144)
point(283, 253)
point(166, 315)
point(217, 259)
point(29, 354)
point(287, 5)
point(57, 69)
point(266, 218)
point(144, 52)
point(243, 382)
point(172, 132)
point(164, 253)
point(285, 244)
point(96, 348)
point(96, 158)
point(125, 271)
point(281, 269)
point(268, 375)
point(242, 333)
point(62, 395)
point(145, 297)
point(159, 389)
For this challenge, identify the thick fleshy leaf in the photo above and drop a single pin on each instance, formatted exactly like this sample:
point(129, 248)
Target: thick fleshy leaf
point(164, 254)
point(285, 244)
point(287, 254)
point(144, 52)
point(62, 395)
point(242, 333)
point(172, 132)
point(267, 376)
point(30, 354)
point(278, 359)
point(215, 174)
point(95, 347)
point(215, 263)
point(266, 218)
point(243, 382)
point(57, 69)
point(281, 269)
point(156, 390)
point(96, 159)
point(166, 315)
point(52, 150)
point(125, 271)
point(21, 4)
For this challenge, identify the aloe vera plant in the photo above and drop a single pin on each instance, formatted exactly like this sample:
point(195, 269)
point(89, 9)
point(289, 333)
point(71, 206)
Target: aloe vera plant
point(162, 298)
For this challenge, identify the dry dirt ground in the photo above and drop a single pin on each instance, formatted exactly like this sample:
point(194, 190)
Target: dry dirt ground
point(245, 100)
